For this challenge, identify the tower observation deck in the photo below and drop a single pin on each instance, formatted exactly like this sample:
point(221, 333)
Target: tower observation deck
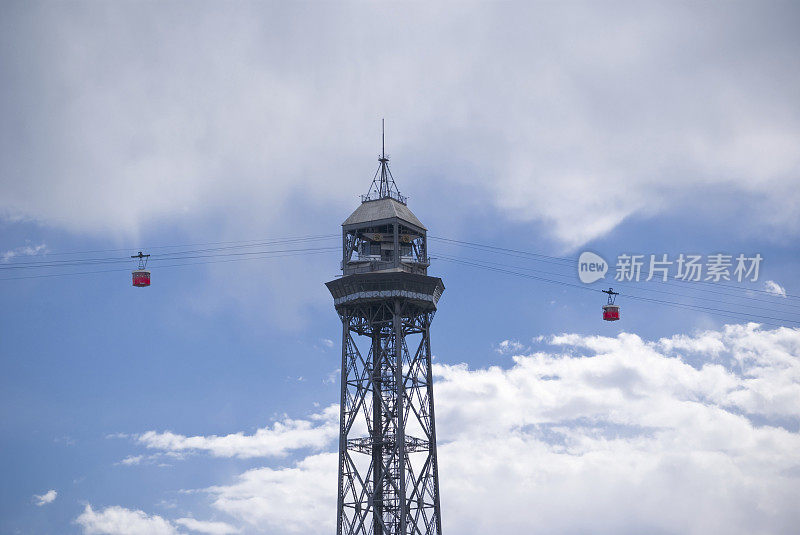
point(388, 469)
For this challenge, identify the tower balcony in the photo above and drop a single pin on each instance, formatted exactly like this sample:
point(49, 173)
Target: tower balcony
point(367, 264)
point(364, 288)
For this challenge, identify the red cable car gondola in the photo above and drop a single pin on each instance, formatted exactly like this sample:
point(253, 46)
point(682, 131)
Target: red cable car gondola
point(141, 276)
point(610, 310)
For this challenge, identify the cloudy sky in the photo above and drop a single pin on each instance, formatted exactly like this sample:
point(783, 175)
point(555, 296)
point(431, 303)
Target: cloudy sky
point(207, 402)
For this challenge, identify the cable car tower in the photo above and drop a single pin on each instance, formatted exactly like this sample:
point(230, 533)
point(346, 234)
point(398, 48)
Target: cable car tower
point(388, 470)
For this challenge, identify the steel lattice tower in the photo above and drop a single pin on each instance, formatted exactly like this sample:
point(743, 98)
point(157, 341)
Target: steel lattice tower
point(388, 471)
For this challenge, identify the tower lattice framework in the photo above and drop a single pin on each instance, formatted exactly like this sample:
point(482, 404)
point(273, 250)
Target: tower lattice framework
point(388, 469)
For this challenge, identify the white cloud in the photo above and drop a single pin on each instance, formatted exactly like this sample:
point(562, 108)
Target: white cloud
point(593, 434)
point(66, 440)
point(774, 288)
point(618, 435)
point(571, 123)
point(332, 377)
point(686, 434)
point(206, 526)
point(509, 346)
point(116, 520)
point(565, 104)
point(47, 497)
point(26, 250)
point(131, 460)
point(276, 441)
point(300, 499)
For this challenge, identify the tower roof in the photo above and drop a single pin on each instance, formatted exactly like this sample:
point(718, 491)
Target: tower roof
point(381, 209)
point(383, 201)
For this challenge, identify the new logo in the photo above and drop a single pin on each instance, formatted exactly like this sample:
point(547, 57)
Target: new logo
point(591, 267)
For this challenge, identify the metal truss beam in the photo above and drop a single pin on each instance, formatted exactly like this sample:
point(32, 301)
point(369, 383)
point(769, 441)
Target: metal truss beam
point(388, 470)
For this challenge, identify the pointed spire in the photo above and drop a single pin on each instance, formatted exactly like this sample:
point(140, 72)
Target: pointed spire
point(383, 184)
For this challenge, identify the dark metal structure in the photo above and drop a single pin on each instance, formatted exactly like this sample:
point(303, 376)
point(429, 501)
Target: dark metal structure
point(388, 470)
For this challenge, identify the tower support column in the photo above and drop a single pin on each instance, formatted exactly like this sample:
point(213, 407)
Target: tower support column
point(388, 471)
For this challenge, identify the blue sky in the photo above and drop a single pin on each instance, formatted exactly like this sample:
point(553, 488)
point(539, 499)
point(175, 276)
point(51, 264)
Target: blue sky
point(203, 403)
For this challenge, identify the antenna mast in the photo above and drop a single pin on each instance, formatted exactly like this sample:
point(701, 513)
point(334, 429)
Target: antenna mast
point(383, 184)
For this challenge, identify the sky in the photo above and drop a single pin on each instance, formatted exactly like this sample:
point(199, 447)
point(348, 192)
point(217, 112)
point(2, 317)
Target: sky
point(208, 402)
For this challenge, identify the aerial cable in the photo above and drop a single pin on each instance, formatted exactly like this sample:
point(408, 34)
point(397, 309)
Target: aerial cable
point(668, 303)
point(240, 244)
point(726, 313)
point(245, 253)
point(125, 249)
point(640, 287)
point(48, 275)
point(124, 258)
point(562, 260)
point(155, 258)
